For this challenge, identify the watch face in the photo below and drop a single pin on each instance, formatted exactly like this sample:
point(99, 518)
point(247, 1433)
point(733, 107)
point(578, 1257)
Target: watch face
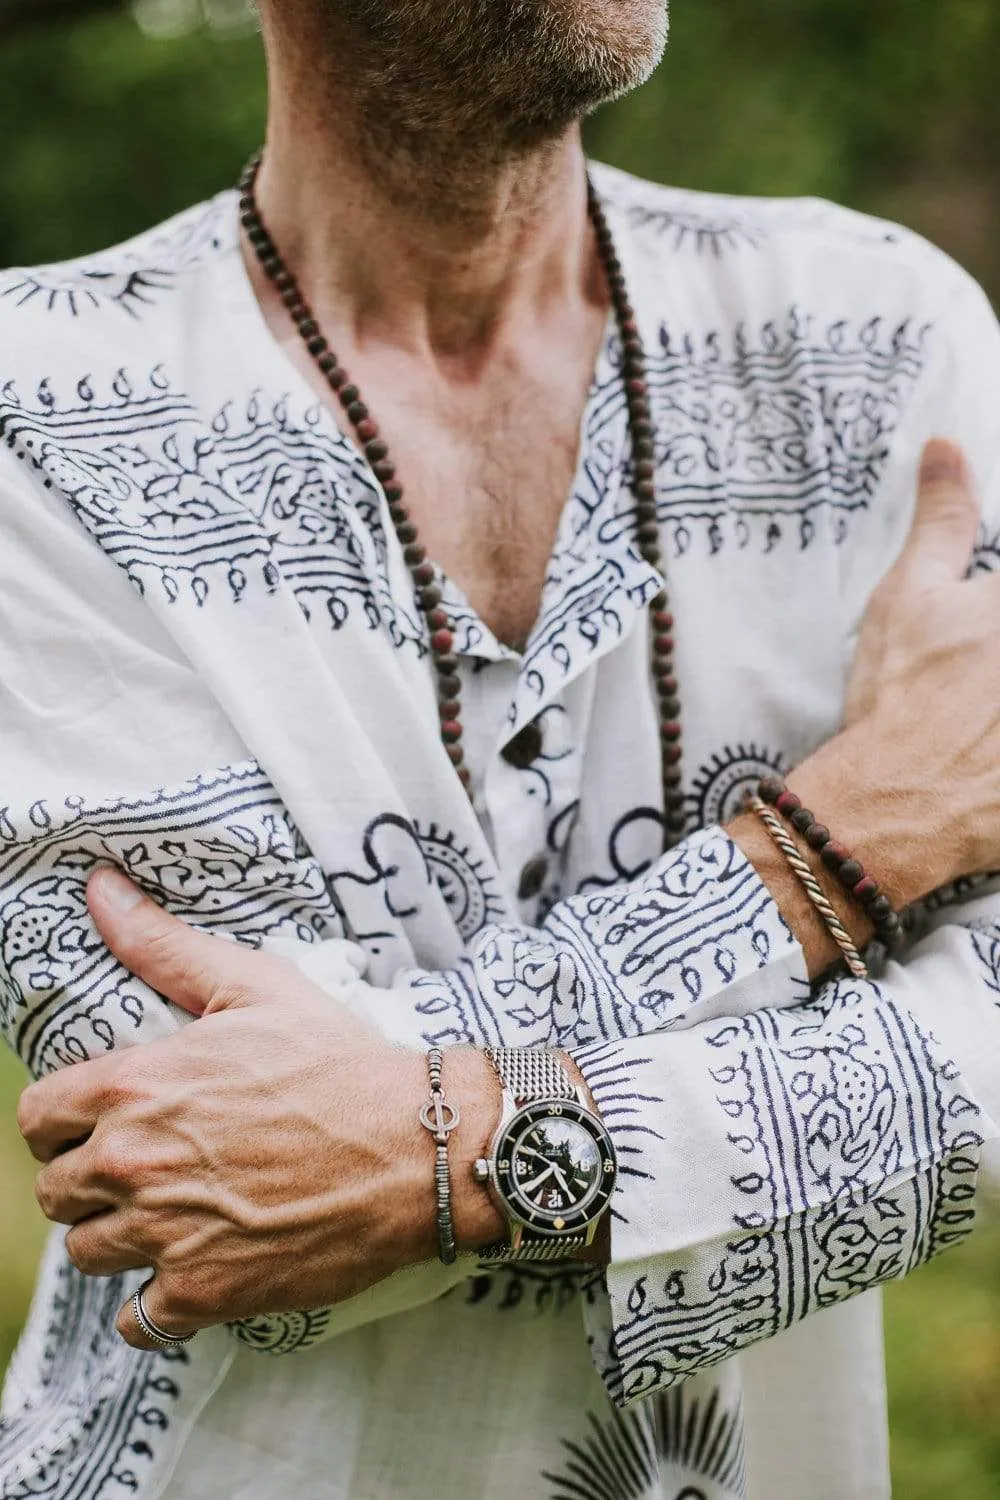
point(555, 1167)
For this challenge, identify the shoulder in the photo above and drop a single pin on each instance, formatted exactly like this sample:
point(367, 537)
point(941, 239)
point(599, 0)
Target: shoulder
point(806, 251)
point(90, 348)
point(107, 301)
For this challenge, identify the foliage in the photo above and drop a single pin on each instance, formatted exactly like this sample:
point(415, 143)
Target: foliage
point(109, 131)
point(891, 108)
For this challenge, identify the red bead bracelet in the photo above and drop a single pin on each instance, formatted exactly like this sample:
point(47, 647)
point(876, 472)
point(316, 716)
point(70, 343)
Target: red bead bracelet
point(842, 864)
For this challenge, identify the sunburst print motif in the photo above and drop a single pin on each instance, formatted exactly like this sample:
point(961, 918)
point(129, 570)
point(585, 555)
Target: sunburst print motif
point(401, 859)
point(131, 278)
point(638, 1455)
point(719, 788)
point(708, 234)
point(76, 292)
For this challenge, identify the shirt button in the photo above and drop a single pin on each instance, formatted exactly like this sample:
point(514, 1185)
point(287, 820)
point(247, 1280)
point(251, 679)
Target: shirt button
point(533, 878)
point(525, 747)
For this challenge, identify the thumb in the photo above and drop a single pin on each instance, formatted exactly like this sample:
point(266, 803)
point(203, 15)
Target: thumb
point(946, 520)
point(196, 971)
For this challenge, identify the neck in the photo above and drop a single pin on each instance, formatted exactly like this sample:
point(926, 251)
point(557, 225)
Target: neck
point(397, 245)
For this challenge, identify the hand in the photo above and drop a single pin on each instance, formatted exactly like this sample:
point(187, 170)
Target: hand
point(267, 1157)
point(914, 781)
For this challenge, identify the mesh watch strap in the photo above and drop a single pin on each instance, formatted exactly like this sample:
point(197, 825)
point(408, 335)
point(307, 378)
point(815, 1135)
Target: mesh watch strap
point(531, 1073)
point(535, 1249)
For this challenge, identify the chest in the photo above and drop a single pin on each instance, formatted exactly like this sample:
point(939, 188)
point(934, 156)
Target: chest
point(486, 458)
point(486, 496)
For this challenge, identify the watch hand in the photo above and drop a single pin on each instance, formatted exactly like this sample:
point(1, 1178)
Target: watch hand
point(562, 1181)
point(528, 1187)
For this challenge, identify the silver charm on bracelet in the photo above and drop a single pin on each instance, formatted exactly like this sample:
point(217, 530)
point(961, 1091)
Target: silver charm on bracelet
point(441, 1118)
point(153, 1332)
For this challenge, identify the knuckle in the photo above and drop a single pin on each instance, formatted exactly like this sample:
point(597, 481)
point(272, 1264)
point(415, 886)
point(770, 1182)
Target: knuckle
point(131, 1079)
point(28, 1114)
point(75, 1253)
point(162, 950)
point(229, 994)
point(117, 1088)
point(127, 1330)
point(44, 1196)
point(117, 1159)
point(82, 1254)
point(951, 505)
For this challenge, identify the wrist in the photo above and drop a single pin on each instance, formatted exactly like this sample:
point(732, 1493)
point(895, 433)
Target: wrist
point(471, 1080)
point(472, 1084)
point(819, 949)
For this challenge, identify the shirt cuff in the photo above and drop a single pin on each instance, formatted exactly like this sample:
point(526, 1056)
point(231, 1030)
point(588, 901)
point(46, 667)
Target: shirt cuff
point(771, 1165)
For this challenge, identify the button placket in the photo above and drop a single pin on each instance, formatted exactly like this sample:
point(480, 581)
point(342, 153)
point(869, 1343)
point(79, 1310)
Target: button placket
point(534, 798)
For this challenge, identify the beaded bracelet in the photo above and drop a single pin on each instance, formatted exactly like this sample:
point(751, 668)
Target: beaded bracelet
point(811, 886)
point(848, 871)
point(441, 1118)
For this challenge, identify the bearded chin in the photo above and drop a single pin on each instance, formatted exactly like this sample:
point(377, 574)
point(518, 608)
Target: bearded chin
point(499, 75)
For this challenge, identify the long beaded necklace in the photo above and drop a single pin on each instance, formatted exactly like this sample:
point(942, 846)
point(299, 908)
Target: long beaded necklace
point(422, 571)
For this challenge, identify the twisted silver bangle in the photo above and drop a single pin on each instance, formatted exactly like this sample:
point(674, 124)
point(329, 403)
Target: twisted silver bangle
point(800, 867)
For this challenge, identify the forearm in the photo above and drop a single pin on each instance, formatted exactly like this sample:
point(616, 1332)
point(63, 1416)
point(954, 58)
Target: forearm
point(884, 813)
point(703, 936)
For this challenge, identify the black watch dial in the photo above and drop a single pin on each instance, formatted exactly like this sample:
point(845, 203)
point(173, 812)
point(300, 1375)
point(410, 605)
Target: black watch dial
point(555, 1167)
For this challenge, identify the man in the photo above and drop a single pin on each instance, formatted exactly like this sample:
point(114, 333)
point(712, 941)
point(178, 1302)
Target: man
point(252, 732)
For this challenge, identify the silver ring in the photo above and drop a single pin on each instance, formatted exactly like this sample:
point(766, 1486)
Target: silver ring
point(153, 1333)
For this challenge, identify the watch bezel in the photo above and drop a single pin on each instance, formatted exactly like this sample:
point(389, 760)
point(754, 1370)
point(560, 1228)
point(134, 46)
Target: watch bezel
point(540, 1222)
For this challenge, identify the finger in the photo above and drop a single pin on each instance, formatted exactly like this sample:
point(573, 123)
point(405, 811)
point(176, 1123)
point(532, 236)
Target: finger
point(106, 1244)
point(67, 1189)
point(158, 1308)
point(946, 519)
point(62, 1109)
point(195, 970)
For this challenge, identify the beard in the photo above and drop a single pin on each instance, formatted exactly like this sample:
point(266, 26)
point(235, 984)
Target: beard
point(491, 77)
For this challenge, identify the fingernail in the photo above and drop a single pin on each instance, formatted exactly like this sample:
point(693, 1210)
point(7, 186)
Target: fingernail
point(117, 890)
point(941, 462)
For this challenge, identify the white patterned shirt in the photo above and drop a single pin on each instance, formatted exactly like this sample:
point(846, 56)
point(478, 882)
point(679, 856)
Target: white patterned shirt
point(213, 672)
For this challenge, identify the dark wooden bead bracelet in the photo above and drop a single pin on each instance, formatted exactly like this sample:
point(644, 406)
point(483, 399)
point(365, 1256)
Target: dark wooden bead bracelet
point(841, 863)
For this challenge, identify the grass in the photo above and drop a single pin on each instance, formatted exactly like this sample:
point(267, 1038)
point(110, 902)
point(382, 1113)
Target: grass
point(942, 1334)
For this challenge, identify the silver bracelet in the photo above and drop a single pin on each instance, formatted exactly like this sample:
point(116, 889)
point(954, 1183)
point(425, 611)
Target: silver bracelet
point(441, 1118)
point(817, 897)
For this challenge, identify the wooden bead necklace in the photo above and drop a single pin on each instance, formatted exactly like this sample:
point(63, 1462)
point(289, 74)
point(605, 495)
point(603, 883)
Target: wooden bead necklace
point(428, 594)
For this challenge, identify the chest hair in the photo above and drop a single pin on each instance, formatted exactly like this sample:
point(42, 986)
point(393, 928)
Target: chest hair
point(487, 490)
point(487, 463)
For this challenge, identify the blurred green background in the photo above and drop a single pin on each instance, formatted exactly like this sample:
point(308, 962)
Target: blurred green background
point(111, 118)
